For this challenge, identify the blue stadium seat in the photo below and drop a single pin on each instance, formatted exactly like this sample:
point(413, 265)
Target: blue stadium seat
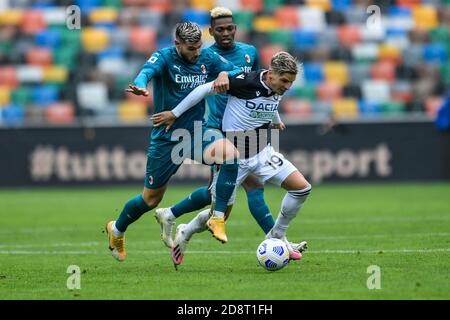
point(87, 5)
point(305, 39)
point(42, 4)
point(12, 115)
point(114, 52)
point(435, 53)
point(341, 4)
point(48, 38)
point(367, 108)
point(200, 17)
point(44, 95)
point(313, 72)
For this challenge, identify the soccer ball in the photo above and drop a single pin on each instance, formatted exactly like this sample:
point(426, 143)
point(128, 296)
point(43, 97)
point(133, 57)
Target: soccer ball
point(272, 254)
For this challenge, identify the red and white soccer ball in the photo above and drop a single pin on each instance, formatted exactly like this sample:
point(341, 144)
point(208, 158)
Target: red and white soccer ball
point(272, 254)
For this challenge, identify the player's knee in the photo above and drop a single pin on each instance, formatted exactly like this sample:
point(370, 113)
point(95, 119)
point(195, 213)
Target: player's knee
point(252, 184)
point(301, 194)
point(152, 201)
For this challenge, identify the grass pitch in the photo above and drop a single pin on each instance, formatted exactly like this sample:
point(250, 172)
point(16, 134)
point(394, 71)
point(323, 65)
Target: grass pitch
point(401, 228)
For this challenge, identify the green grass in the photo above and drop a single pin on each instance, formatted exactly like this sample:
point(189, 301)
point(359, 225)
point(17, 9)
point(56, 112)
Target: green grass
point(402, 228)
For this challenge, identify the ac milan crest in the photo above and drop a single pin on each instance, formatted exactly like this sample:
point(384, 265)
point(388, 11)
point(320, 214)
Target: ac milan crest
point(203, 68)
point(247, 58)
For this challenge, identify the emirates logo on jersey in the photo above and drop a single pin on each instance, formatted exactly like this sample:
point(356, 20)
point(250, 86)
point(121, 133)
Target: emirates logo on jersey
point(247, 58)
point(203, 68)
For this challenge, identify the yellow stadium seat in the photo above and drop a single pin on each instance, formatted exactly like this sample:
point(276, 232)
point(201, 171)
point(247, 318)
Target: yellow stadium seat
point(132, 111)
point(336, 72)
point(389, 52)
point(322, 4)
point(425, 17)
point(103, 15)
point(5, 95)
point(94, 40)
point(11, 17)
point(55, 74)
point(202, 4)
point(345, 108)
point(265, 24)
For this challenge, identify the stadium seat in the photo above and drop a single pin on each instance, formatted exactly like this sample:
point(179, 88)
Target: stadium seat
point(435, 53)
point(11, 17)
point(112, 3)
point(8, 76)
point(204, 5)
point(142, 40)
point(295, 106)
point(48, 38)
point(92, 95)
point(233, 5)
point(367, 108)
point(365, 52)
point(60, 113)
point(266, 53)
point(341, 5)
point(5, 95)
point(87, 6)
point(44, 95)
point(321, 108)
point(55, 16)
point(151, 19)
point(359, 71)
point(103, 15)
point(440, 34)
point(22, 95)
point(348, 35)
point(408, 3)
point(306, 91)
point(413, 55)
point(402, 91)
point(33, 22)
point(383, 70)
point(393, 107)
point(329, 91)
point(312, 18)
point(132, 111)
point(12, 115)
point(252, 5)
point(198, 16)
point(281, 37)
point(39, 56)
point(352, 90)
point(265, 24)
point(425, 16)
point(65, 56)
point(321, 4)
point(345, 108)
point(305, 39)
point(272, 5)
point(287, 17)
point(445, 73)
point(94, 40)
point(432, 105)
point(389, 53)
point(30, 74)
point(313, 72)
point(375, 91)
point(55, 74)
point(243, 19)
point(336, 72)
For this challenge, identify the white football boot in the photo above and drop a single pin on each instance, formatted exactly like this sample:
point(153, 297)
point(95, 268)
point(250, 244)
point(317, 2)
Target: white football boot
point(166, 223)
point(179, 246)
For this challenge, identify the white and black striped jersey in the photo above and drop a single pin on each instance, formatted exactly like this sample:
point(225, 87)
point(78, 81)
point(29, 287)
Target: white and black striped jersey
point(251, 103)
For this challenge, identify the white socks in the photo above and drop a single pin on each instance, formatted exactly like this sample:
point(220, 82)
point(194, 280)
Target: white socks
point(290, 206)
point(196, 225)
point(116, 232)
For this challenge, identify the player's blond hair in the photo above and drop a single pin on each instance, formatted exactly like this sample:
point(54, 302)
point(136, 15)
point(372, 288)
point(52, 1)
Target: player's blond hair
point(220, 12)
point(188, 32)
point(283, 62)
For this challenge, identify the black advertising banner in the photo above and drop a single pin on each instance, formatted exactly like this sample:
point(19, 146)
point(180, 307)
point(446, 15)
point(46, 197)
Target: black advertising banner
point(117, 155)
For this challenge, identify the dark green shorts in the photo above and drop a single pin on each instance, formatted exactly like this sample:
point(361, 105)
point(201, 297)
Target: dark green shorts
point(164, 157)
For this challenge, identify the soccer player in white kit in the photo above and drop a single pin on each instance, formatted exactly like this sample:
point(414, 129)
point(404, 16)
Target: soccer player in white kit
point(252, 107)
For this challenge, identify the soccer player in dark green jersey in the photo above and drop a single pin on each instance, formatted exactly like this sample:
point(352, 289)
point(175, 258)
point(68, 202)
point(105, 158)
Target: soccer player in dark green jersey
point(175, 72)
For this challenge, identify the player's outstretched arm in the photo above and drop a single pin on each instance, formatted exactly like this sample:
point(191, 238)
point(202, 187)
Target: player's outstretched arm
point(168, 117)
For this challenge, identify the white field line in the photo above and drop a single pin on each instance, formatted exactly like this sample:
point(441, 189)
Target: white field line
point(149, 242)
point(236, 223)
point(237, 252)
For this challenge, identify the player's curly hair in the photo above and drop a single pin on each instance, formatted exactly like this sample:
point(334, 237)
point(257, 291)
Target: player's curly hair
point(188, 32)
point(283, 62)
point(220, 12)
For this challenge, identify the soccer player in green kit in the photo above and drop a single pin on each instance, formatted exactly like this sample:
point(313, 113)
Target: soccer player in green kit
point(175, 72)
point(246, 57)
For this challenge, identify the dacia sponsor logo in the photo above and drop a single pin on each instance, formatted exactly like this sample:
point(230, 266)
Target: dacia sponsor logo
point(272, 107)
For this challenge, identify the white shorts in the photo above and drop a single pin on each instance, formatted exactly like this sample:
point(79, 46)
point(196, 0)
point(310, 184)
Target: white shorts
point(268, 166)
